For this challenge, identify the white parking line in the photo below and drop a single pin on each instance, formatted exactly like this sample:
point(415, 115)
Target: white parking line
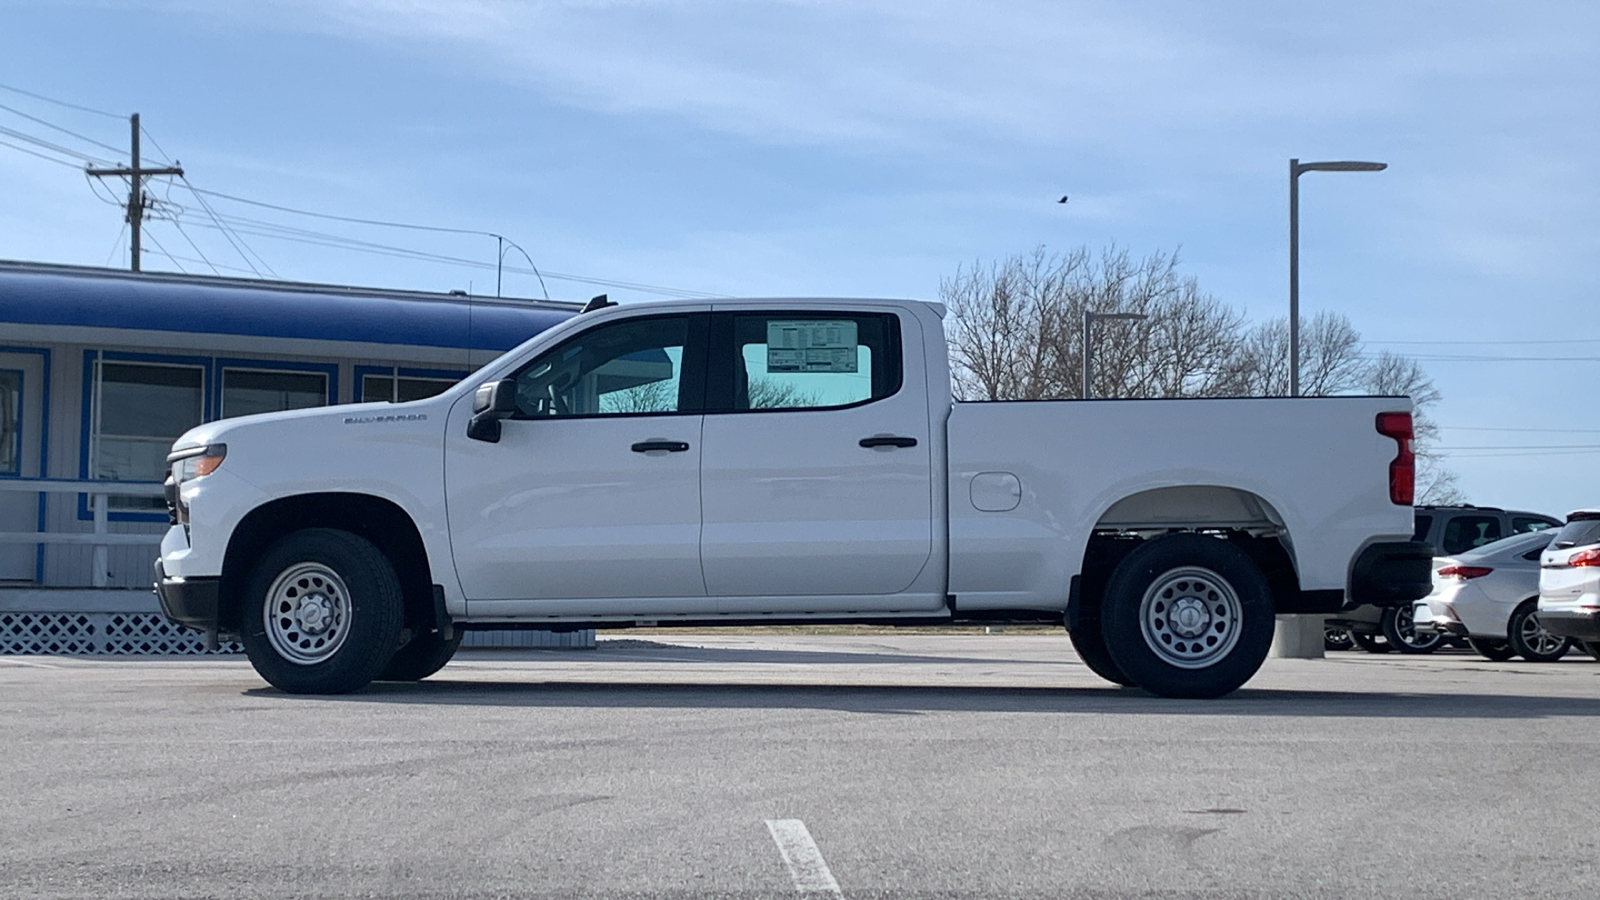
point(800, 854)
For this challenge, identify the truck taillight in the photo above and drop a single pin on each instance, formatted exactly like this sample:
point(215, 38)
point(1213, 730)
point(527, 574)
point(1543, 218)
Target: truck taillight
point(1403, 470)
point(1464, 572)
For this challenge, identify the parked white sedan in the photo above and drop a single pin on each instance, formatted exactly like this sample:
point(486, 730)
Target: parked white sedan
point(1490, 596)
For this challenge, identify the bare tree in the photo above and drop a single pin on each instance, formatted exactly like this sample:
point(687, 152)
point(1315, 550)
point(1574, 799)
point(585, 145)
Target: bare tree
point(1017, 327)
point(1005, 336)
point(652, 396)
point(1016, 334)
point(769, 393)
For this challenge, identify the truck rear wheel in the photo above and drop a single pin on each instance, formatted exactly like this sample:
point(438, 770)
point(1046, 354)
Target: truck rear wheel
point(322, 612)
point(1188, 615)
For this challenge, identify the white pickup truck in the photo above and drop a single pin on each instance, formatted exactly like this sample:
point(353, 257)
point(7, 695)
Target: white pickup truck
point(781, 461)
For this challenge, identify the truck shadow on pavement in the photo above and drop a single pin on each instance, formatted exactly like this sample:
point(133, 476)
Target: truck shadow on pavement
point(930, 698)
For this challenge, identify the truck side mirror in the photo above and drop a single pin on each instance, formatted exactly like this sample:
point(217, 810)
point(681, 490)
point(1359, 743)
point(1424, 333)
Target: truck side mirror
point(490, 403)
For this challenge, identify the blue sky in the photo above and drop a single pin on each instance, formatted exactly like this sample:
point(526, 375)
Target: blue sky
point(870, 148)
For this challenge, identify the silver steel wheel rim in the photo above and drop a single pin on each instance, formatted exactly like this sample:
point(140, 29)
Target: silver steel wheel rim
point(1190, 617)
point(1536, 638)
point(307, 613)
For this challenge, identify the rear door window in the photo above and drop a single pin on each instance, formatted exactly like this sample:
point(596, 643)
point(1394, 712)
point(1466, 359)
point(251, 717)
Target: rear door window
point(1523, 524)
point(1464, 533)
point(806, 361)
point(1423, 524)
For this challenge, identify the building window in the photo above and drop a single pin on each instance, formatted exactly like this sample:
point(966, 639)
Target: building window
point(139, 410)
point(10, 422)
point(249, 391)
point(391, 389)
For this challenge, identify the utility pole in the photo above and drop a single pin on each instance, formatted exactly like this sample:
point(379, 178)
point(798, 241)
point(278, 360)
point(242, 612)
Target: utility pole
point(136, 175)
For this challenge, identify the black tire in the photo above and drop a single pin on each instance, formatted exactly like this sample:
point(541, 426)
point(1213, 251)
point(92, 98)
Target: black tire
point(321, 612)
point(1089, 641)
point(1592, 648)
point(1225, 605)
point(1529, 640)
point(1372, 643)
point(1337, 639)
point(420, 657)
point(1401, 632)
point(1491, 649)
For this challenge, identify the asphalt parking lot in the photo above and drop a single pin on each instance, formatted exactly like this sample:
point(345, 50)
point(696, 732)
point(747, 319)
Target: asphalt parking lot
point(901, 765)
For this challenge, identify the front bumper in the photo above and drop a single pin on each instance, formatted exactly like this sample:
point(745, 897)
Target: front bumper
point(1393, 573)
point(191, 602)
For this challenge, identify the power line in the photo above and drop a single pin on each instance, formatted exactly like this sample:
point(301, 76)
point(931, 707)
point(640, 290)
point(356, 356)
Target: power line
point(51, 145)
point(1518, 453)
point(239, 245)
point(167, 255)
point(1530, 430)
point(176, 224)
point(1483, 357)
point(534, 270)
point(1522, 447)
point(139, 202)
point(164, 156)
point(1467, 358)
point(117, 244)
point(59, 162)
point(1493, 343)
point(90, 140)
point(98, 112)
point(95, 185)
point(304, 236)
point(353, 219)
point(226, 268)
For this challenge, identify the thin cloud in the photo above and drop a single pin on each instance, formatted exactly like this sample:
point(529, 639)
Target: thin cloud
point(862, 72)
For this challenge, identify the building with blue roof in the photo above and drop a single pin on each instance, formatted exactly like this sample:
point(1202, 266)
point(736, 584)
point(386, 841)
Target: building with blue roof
point(100, 370)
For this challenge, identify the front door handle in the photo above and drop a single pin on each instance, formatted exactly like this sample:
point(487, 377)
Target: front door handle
point(669, 446)
point(888, 440)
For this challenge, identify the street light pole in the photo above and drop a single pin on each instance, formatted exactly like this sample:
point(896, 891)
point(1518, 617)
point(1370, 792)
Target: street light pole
point(1295, 168)
point(1088, 348)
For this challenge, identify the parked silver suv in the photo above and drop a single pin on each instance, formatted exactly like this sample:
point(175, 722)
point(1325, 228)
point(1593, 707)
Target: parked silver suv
point(1452, 530)
point(1569, 581)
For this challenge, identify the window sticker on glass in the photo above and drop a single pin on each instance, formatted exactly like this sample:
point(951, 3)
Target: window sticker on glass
point(811, 346)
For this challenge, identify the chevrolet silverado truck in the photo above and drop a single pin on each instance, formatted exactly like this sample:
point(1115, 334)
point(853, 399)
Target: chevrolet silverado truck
point(781, 462)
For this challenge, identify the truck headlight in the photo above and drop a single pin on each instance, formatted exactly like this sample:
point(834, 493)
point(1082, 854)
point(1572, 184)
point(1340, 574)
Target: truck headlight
point(197, 462)
point(187, 465)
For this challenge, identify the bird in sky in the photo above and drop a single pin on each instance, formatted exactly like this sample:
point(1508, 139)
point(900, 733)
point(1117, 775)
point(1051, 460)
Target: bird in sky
point(1063, 199)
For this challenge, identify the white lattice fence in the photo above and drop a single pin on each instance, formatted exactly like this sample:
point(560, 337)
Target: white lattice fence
point(150, 634)
point(115, 634)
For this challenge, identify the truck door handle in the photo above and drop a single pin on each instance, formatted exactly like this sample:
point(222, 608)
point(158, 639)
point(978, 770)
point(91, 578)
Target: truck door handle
point(669, 446)
point(888, 440)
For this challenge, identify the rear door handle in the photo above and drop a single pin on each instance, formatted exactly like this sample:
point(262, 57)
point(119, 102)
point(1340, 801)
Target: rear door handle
point(669, 446)
point(888, 440)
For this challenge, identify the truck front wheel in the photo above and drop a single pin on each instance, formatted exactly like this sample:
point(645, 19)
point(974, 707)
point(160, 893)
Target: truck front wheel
point(1188, 615)
point(322, 612)
point(423, 655)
